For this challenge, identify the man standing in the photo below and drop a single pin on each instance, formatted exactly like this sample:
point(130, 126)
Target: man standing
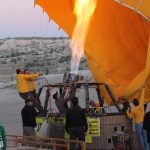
point(28, 114)
point(76, 123)
point(137, 112)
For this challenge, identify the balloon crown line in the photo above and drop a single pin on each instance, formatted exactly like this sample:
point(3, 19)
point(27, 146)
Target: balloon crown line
point(136, 9)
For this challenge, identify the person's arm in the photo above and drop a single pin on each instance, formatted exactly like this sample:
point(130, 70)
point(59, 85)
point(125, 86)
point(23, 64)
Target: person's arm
point(97, 105)
point(31, 76)
point(130, 113)
point(142, 97)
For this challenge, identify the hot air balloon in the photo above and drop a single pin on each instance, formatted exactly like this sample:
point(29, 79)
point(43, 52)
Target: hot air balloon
point(117, 46)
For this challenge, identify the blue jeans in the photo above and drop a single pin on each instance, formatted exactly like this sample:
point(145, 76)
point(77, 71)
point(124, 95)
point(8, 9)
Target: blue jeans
point(142, 136)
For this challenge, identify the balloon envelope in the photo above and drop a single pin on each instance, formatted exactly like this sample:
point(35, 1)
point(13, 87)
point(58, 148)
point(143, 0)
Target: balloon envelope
point(117, 45)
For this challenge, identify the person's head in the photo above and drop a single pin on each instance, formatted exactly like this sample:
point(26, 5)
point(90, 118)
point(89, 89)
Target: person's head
point(92, 103)
point(135, 102)
point(125, 104)
point(29, 101)
point(75, 101)
point(18, 71)
point(26, 71)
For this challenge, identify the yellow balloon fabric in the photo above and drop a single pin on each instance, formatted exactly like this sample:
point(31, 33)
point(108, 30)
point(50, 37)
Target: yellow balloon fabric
point(117, 46)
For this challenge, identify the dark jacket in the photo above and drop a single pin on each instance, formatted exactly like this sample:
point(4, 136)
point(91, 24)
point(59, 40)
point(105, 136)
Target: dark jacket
point(75, 118)
point(28, 114)
point(146, 125)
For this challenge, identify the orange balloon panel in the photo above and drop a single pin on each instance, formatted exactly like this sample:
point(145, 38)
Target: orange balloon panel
point(116, 46)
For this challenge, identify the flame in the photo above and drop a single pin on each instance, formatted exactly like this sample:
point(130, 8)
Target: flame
point(83, 10)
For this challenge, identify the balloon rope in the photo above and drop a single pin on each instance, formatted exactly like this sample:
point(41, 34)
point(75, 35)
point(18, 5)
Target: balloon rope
point(41, 24)
point(121, 1)
point(140, 2)
point(34, 20)
point(46, 29)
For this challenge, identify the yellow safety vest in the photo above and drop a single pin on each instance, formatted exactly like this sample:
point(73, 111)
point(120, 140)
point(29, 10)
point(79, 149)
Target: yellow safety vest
point(23, 82)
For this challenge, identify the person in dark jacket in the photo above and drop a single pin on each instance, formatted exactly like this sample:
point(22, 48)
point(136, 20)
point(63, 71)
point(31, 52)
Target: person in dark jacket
point(28, 114)
point(146, 126)
point(76, 123)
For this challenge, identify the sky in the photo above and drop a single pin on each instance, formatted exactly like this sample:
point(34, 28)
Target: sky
point(19, 18)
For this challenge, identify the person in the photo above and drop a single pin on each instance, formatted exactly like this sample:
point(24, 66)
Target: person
point(146, 126)
point(59, 102)
point(137, 112)
point(23, 87)
point(126, 105)
point(28, 114)
point(32, 85)
point(76, 123)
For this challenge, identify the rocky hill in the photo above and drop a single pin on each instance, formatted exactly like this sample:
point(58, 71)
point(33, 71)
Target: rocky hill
point(49, 55)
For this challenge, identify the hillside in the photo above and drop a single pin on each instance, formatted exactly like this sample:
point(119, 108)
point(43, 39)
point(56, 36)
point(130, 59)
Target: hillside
point(49, 55)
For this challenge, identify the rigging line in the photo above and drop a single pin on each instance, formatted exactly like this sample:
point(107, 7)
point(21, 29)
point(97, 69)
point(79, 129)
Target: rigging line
point(140, 2)
point(40, 35)
point(41, 25)
point(34, 32)
point(46, 28)
point(45, 52)
point(133, 8)
point(121, 1)
point(34, 20)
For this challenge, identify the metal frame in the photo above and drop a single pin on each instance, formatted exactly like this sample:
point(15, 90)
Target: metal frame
point(86, 86)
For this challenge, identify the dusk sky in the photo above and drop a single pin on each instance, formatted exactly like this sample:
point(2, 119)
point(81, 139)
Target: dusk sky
point(19, 18)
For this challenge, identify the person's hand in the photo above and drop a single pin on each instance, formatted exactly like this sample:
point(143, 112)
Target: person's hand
point(40, 74)
point(86, 133)
point(129, 110)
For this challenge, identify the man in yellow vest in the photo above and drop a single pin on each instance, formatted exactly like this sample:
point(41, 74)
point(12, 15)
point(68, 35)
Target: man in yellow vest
point(137, 112)
point(23, 86)
point(32, 85)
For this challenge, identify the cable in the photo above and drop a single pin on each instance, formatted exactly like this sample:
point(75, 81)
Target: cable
point(46, 28)
point(41, 25)
point(140, 2)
